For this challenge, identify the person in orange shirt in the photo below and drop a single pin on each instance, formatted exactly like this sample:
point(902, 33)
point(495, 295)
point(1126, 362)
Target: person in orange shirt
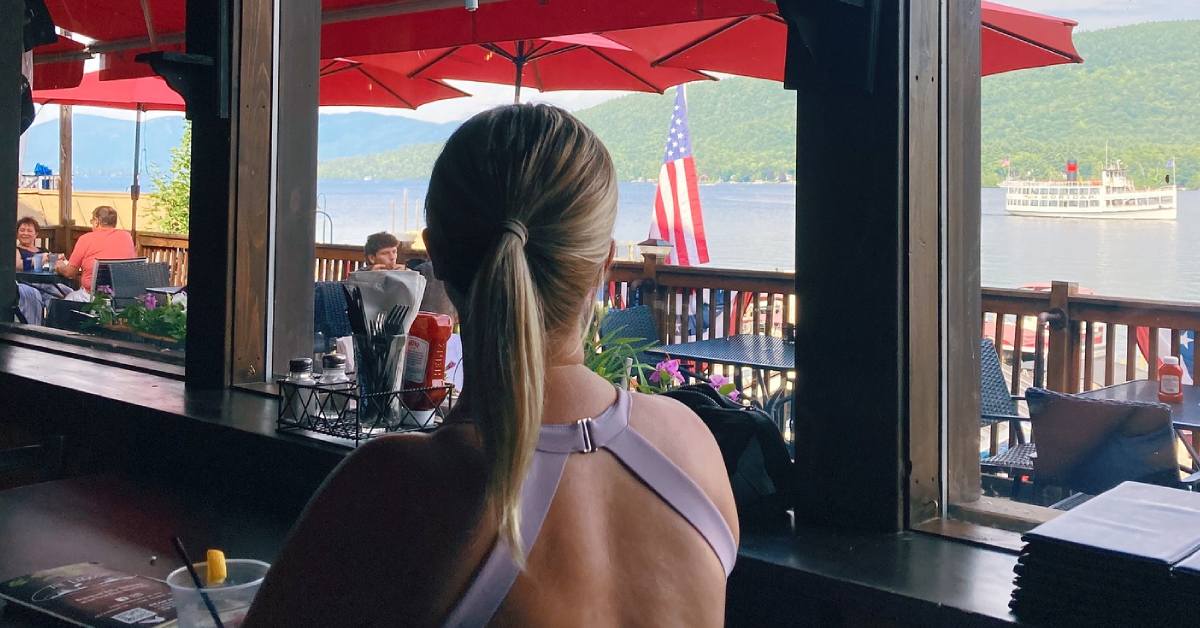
point(104, 242)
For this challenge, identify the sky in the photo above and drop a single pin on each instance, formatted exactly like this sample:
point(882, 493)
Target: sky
point(1097, 14)
point(1091, 15)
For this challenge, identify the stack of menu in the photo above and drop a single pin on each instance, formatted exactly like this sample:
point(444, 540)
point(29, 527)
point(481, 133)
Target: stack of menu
point(1187, 577)
point(1112, 560)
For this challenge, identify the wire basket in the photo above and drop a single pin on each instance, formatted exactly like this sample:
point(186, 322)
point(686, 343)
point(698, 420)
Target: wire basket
point(340, 410)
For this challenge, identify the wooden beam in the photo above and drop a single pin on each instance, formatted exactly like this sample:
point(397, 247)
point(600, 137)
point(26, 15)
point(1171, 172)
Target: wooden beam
point(962, 289)
point(294, 222)
point(851, 271)
point(11, 47)
point(210, 282)
point(924, 345)
point(252, 247)
point(66, 168)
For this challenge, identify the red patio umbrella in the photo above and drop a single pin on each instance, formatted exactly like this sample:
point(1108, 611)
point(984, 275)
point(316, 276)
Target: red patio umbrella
point(351, 82)
point(570, 62)
point(143, 94)
point(754, 45)
point(343, 82)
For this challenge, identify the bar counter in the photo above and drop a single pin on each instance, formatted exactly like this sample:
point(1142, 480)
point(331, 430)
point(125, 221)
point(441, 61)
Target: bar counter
point(208, 460)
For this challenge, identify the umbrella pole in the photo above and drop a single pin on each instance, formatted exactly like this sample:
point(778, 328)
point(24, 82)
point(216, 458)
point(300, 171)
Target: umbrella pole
point(519, 64)
point(135, 190)
point(517, 89)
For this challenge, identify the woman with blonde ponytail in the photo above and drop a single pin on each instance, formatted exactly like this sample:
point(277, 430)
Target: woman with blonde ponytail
point(549, 497)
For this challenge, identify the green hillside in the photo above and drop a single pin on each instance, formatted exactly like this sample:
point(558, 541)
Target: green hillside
point(742, 129)
point(1138, 90)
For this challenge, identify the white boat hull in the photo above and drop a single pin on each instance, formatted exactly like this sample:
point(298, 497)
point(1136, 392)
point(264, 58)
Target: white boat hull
point(1132, 214)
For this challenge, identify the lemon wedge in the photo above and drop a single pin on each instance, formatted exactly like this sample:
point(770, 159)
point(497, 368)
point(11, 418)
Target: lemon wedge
point(216, 567)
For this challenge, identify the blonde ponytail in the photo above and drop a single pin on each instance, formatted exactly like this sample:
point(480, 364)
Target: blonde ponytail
point(508, 355)
point(521, 207)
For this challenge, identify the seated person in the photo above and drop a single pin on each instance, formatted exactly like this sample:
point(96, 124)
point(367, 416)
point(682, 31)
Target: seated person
point(381, 250)
point(502, 514)
point(27, 233)
point(104, 241)
point(31, 302)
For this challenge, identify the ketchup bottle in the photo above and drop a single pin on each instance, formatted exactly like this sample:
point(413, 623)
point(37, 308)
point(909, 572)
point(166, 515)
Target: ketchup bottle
point(1170, 380)
point(425, 360)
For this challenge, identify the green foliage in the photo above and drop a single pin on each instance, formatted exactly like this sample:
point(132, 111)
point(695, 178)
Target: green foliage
point(409, 162)
point(605, 354)
point(1136, 91)
point(99, 311)
point(171, 205)
point(166, 319)
point(742, 130)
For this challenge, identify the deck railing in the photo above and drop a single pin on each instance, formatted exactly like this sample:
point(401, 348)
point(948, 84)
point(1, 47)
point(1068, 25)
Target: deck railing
point(1057, 337)
point(1071, 342)
point(334, 262)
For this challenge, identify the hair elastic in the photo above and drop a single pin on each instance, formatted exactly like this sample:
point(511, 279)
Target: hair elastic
point(516, 228)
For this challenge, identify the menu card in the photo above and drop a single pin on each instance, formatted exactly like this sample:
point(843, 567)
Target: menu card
point(89, 594)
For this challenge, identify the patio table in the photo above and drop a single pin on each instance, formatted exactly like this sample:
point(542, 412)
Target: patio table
point(32, 277)
point(758, 353)
point(1184, 416)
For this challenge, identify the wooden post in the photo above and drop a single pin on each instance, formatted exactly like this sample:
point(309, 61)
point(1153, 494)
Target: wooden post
point(11, 38)
point(963, 309)
point(657, 295)
point(1062, 368)
point(847, 65)
point(66, 179)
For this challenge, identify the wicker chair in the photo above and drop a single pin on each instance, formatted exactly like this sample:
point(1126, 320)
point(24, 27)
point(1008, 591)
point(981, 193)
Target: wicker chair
point(997, 405)
point(130, 280)
point(636, 323)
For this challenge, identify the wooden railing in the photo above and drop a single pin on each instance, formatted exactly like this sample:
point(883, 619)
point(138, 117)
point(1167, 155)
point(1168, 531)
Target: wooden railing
point(701, 303)
point(1057, 337)
point(1071, 342)
point(334, 261)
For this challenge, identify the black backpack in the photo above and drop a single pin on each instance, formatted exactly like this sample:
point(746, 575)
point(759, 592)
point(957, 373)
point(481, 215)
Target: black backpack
point(760, 469)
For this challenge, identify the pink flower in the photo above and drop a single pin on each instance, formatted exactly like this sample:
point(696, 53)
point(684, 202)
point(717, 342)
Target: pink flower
point(724, 386)
point(151, 302)
point(105, 290)
point(666, 370)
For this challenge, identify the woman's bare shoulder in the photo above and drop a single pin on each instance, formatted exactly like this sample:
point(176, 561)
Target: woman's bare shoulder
point(378, 518)
point(683, 438)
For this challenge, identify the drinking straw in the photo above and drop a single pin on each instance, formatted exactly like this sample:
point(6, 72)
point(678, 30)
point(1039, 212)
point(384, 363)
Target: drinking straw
point(187, 562)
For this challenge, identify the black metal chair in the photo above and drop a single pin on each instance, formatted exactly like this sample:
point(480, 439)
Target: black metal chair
point(130, 279)
point(1088, 446)
point(635, 323)
point(997, 405)
point(101, 270)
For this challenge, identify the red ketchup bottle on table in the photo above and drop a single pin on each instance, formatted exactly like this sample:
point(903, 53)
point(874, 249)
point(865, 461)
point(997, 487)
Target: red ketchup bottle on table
point(425, 360)
point(1170, 380)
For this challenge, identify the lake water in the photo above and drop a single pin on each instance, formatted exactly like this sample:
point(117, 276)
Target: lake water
point(753, 226)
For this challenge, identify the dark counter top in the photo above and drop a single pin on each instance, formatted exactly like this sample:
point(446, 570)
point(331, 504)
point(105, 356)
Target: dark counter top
point(223, 445)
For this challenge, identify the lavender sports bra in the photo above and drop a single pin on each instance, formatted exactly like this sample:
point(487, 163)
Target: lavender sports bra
point(609, 431)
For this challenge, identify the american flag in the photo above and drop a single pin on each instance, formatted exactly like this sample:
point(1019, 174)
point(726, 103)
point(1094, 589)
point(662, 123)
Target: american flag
point(678, 218)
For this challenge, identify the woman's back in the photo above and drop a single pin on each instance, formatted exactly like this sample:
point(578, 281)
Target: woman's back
point(640, 529)
point(610, 552)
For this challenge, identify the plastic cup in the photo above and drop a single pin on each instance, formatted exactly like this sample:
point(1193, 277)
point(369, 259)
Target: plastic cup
point(232, 598)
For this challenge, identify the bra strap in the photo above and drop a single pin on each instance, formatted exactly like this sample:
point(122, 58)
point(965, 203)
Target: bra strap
point(493, 581)
point(682, 493)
